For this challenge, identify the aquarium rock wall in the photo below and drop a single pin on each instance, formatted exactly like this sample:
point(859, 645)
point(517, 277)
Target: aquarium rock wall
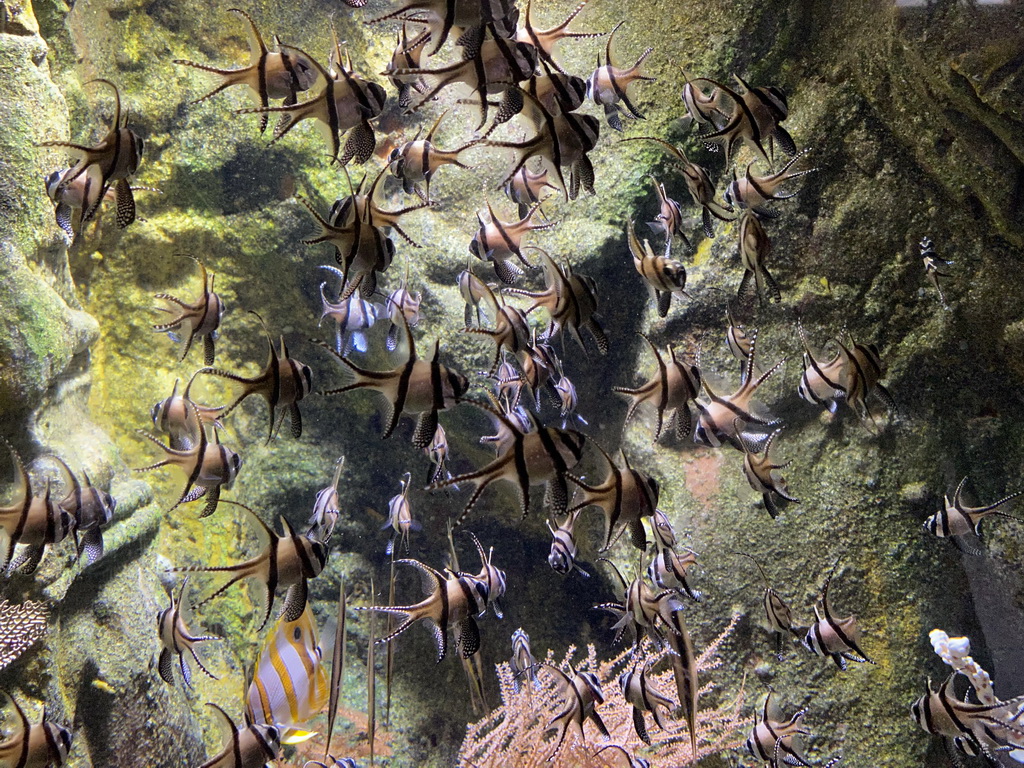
point(911, 117)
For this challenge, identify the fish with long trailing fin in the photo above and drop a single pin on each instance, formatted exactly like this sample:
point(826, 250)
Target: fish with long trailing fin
point(860, 378)
point(672, 388)
point(570, 300)
point(452, 603)
point(612, 86)
point(283, 383)
point(325, 507)
point(176, 638)
point(174, 416)
point(418, 160)
point(562, 557)
point(407, 55)
point(755, 247)
point(822, 381)
point(776, 611)
point(753, 192)
point(473, 291)
point(956, 519)
point(444, 16)
point(755, 118)
point(197, 320)
point(287, 560)
point(245, 746)
point(79, 195)
point(113, 161)
point(400, 518)
point(545, 40)
point(581, 694)
point(33, 745)
point(542, 455)
point(289, 684)
point(664, 275)
point(776, 739)
point(642, 696)
point(720, 416)
point(279, 74)
point(352, 316)
point(522, 663)
point(345, 104)
point(90, 507)
point(763, 474)
point(668, 568)
point(489, 575)
point(511, 327)
point(669, 221)
point(526, 188)
point(500, 241)
point(406, 303)
point(698, 184)
point(416, 386)
point(30, 519)
point(626, 496)
point(834, 637)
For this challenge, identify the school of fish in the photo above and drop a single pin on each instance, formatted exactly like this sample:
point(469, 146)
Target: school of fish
point(504, 70)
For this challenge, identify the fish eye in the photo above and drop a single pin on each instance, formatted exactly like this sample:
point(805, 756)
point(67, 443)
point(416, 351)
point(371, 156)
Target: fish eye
point(297, 634)
point(236, 462)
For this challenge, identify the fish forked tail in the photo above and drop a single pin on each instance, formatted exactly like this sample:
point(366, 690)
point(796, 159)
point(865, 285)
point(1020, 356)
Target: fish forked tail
point(394, 610)
point(358, 378)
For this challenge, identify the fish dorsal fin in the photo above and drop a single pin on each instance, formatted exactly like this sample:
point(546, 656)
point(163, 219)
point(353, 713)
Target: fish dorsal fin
point(338, 466)
point(21, 725)
point(257, 48)
point(430, 578)
point(261, 527)
point(74, 487)
point(117, 100)
point(485, 560)
point(824, 592)
point(316, 64)
point(618, 573)
point(608, 46)
point(957, 501)
point(227, 725)
point(430, 134)
point(270, 339)
point(763, 574)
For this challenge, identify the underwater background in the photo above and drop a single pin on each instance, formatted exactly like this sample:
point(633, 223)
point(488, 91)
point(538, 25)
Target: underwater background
point(912, 116)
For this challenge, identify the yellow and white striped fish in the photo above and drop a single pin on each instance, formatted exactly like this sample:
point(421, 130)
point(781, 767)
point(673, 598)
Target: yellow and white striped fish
point(290, 685)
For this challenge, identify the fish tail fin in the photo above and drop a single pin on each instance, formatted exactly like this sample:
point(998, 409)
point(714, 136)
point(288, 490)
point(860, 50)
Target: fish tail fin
point(228, 77)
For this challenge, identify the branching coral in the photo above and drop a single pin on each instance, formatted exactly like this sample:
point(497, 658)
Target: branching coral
point(519, 731)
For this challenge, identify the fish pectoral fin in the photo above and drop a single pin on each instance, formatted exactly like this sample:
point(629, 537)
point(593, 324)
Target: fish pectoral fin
point(295, 416)
point(426, 426)
point(640, 726)
point(359, 146)
point(440, 640)
point(596, 720)
point(556, 496)
point(212, 499)
point(208, 351)
point(295, 601)
point(297, 736)
point(468, 637)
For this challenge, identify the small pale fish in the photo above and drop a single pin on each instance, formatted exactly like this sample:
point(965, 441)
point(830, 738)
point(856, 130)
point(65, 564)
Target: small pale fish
point(775, 736)
point(702, 108)
point(778, 614)
point(404, 302)
point(988, 729)
point(473, 291)
point(568, 400)
point(400, 518)
point(336, 762)
point(33, 745)
point(289, 685)
point(522, 663)
point(580, 693)
point(526, 188)
point(91, 509)
point(543, 455)
point(176, 638)
point(437, 452)
point(626, 496)
point(562, 557)
point(933, 266)
point(325, 507)
point(762, 474)
point(672, 388)
point(664, 275)
point(511, 330)
point(287, 560)
point(638, 609)
point(245, 746)
point(698, 184)
point(499, 241)
point(416, 386)
point(30, 519)
point(452, 602)
point(718, 418)
point(612, 86)
point(562, 141)
point(495, 65)
point(755, 192)
point(739, 341)
point(570, 300)
point(111, 162)
point(668, 569)
point(407, 55)
point(418, 160)
point(489, 575)
point(669, 221)
point(754, 250)
point(540, 364)
point(545, 40)
point(280, 74)
point(174, 416)
point(834, 637)
point(345, 104)
point(822, 381)
point(352, 316)
point(208, 466)
point(641, 694)
point(198, 320)
point(283, 383)
point(956, 519)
